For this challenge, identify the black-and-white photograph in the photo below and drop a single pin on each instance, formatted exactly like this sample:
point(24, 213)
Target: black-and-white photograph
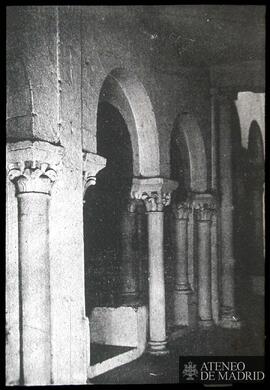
point(135, 187)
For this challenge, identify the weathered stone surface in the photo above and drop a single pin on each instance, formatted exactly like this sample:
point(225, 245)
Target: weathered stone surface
point(61, 63)
point(12, 288)
point(32, 64)
point(70, 338)
point(125, 325)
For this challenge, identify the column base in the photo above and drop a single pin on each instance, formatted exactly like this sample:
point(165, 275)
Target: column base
point(230, 322)
point(206, 323)
point(181, 307)
point(158, 348)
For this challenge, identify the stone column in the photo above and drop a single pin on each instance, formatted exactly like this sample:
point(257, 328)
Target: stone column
point(203, 216)
point(157, 320)
point(215, 267)
point(32, 169)
point(182, 288)
point(229, 318)
point(156, 195)
point(142, 251)
point(92, 164)
point(191, 247)
point(255, 186)
point(129, 267)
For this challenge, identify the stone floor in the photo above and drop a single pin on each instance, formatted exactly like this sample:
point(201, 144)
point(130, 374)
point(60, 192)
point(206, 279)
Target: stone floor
point(249, 340)
point(150, 369)
point(101, 352)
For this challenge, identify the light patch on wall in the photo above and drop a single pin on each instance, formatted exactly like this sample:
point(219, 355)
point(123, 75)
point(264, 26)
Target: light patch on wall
point(250, 107)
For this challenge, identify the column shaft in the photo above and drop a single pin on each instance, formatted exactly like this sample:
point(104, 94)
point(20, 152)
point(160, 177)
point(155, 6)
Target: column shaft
point(34, 275)
point(257, 210)
point(32, 167)
point(214, 269)
point(157, 319)
point(204, 273)
point(182, 287)
point(228, 317)
point(257, 238)
point(142, 253)
point(181, 254)
point(156, 194)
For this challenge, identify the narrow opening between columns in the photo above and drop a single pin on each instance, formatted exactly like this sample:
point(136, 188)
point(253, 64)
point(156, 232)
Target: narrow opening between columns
point(104, 206)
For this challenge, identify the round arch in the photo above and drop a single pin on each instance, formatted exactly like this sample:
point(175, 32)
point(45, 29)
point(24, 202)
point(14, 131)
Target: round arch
point(126, 93)
point(189, 140)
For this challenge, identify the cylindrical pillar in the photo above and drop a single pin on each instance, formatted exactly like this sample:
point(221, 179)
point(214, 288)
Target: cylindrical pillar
point(182, 288)
point(142, 251)
point(256, 189)
point(156, 194)
point(157, 315)
point(33, 184)
point(203, 214)
point(129, 268)
point(34, 270)
point(255, 186)
point(215, 267)
point(157, 320)
point(228, 315)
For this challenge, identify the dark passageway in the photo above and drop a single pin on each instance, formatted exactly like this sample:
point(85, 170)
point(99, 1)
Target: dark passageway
point(102, 209)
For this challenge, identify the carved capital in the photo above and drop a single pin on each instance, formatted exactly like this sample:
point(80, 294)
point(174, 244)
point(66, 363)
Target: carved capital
point(204, 212)
point(33, 166)
point(32, 176)
point(197, 200)
point(182, 210)
point(204, 206)
point(155, 192)
point(156, 201)
point(92, 164)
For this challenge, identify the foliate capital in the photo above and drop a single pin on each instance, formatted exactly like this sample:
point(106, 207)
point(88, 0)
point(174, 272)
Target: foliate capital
point(156, 201)
point(33, 165)
point(204, 206)
point(32, 176)
point(204, 212)
point(182, 210)
point(197, 200)
point(92, 164)
point(155, 192)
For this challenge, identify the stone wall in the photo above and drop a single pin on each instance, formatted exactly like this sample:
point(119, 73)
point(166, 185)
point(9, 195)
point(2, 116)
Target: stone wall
point(57, 61)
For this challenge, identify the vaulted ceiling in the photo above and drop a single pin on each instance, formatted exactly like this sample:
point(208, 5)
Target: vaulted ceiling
point(198, 34)
point(214, 34)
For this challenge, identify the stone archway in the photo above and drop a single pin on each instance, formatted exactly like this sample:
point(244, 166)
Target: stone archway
point(123, 323)
point(124, 91)
point(251, 107)
point(188, 138)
